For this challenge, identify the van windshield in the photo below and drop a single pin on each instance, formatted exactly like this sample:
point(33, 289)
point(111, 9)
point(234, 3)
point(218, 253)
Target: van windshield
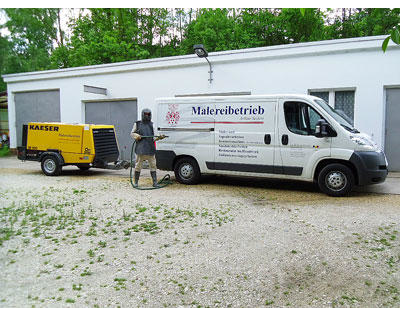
point(337, 116)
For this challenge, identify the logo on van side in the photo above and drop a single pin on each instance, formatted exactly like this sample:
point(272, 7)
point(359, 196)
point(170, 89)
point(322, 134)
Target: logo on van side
point(173, 116)
point(228, 110)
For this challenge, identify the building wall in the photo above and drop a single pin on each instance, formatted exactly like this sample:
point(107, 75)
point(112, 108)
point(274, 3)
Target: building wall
point(295, 68)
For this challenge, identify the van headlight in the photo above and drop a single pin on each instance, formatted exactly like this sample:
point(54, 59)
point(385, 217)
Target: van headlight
point(362, 141)
point(358, 140)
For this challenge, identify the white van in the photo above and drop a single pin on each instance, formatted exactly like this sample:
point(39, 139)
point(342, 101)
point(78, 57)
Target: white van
point(297, 137)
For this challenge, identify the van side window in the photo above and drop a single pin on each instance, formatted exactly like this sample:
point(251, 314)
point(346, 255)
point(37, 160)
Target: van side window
point(300, 118)
point(314, 118)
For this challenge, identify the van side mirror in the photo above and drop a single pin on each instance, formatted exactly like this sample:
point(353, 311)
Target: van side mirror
point(321, 129)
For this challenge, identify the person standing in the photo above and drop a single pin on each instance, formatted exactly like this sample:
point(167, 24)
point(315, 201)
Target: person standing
point(145, 147)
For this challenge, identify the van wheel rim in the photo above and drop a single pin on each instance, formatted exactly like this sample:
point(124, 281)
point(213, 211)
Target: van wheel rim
point(49, 165)
point(186, 171)
point(336, 180)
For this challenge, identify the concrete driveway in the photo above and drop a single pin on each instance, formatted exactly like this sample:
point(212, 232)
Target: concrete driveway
point(390, 186)
point(87, 239)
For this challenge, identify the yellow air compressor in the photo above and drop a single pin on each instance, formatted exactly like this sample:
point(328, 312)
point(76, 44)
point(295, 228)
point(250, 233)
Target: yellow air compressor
point(55, 145)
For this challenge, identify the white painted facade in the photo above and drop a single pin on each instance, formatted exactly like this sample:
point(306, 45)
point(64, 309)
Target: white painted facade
point(357, 64)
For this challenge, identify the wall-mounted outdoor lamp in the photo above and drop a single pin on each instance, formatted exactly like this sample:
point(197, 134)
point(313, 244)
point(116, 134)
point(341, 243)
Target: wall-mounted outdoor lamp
point(202, 53)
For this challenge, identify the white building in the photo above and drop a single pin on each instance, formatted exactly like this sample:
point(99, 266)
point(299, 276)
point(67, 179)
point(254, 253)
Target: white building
point(351, 74)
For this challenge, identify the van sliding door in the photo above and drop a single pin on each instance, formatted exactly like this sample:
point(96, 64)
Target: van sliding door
point(244, 138)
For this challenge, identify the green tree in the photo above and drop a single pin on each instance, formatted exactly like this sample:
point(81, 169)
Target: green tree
point(258, 27)
point(364, 22)
point(33, 32)
point(37, 42)
point(5, 52)
point(214, 28)
point(223, 29)
point(301, 28)
point(114, 35)
point(33, 35)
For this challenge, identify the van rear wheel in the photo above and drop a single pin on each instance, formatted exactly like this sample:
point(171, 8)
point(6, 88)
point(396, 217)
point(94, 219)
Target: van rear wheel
point(187, 171)
point(336, 180)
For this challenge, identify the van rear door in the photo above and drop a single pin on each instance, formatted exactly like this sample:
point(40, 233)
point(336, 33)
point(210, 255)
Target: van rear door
point(244, 137)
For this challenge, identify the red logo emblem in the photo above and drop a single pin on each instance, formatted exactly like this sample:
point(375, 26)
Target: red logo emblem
point(173, 116)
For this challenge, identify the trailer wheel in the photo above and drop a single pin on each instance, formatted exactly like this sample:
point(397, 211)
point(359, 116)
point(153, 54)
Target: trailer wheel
point(336, 180)
point(51, 166)
point(187, 171)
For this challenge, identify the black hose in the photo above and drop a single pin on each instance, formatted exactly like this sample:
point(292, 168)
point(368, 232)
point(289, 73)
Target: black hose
point(161, 184)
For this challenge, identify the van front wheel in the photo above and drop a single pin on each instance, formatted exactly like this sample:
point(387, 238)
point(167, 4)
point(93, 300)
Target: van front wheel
point(336, 180)
point(187, 171)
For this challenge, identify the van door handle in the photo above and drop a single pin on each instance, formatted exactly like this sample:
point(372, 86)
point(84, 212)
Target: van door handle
point(267, 139)
point(285, 139)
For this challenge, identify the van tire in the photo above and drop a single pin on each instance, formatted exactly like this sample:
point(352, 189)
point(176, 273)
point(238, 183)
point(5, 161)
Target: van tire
point(187, 171)
point(51, 166)
point(336, 180)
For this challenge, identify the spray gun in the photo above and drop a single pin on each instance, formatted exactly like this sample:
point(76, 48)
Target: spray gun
point(156, 138)
point(160, 137)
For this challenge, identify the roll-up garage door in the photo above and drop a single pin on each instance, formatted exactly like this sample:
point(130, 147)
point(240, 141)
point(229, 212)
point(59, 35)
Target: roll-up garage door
point(392, 129)
point(36, 106)
point(121, 114)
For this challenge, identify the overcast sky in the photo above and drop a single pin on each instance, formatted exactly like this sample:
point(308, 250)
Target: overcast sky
point(2, 21)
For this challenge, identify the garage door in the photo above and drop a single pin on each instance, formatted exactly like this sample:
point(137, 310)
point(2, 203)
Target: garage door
point(392, 129)
point(121, 114)
point(37, 106)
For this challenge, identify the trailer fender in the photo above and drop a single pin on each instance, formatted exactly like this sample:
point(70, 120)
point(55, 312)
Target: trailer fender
point(52, 153)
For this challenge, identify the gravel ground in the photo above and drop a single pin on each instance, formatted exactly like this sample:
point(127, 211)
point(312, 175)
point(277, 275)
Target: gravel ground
point(87, 239)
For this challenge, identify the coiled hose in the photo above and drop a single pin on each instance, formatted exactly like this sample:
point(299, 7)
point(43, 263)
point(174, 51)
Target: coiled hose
point(162, 183)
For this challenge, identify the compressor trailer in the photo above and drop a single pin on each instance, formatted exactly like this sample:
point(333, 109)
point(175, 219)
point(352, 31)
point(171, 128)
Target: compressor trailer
point(55, 145)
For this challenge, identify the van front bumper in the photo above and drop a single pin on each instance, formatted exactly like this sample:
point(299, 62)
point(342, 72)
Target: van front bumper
point(371, 166)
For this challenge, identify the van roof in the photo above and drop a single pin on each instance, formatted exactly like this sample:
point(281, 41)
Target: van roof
point(236, 97)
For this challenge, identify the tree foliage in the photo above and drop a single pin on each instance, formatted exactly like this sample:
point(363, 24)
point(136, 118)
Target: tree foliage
point(97, 36)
